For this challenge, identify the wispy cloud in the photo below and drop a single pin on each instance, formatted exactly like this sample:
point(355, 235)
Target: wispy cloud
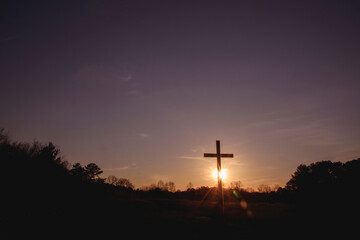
point(102, 76)
point(135, 93)
point(127, 78)
point(236, 163)
point(143, 135)
point(121, 168)
point(158, 177)
point(193, 157)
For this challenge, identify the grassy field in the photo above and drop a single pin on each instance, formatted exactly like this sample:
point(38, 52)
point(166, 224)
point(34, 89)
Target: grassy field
point(171, 219)
point(203, 218)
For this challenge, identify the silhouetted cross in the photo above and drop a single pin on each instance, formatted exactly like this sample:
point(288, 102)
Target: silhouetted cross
point(219, 155)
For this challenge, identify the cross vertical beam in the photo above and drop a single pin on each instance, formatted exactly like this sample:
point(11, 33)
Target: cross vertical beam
point(218, 156)
point(220, 185)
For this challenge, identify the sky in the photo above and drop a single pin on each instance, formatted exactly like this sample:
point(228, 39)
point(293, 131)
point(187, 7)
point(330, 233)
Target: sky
point(144, 88)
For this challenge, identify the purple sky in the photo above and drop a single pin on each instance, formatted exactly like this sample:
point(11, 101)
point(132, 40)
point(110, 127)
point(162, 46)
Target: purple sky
point(144, 88)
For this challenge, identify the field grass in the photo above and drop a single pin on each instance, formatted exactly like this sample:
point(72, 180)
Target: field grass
point(170, 219)
point(203, 218)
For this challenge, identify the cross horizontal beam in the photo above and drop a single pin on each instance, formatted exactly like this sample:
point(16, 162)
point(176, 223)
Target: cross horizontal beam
point(223, 155)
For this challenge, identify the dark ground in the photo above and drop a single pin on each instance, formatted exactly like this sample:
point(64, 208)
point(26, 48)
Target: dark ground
point(135, 218)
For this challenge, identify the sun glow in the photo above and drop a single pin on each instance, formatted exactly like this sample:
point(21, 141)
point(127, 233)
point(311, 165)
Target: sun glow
point(222, 174)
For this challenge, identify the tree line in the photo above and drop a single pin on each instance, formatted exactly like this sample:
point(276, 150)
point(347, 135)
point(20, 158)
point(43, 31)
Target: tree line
point(40, 170)
point(40, 190)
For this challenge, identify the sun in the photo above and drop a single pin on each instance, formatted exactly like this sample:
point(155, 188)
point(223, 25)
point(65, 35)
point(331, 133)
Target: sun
point(222, 174)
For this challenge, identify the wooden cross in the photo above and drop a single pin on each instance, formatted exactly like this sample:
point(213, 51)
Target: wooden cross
point(219, 155)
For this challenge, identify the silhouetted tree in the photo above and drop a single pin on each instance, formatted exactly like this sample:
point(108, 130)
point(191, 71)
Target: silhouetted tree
point(326, 184)
point(161, 184)
point(93, 171)
point(42, 181)
point(264, 188)
point(112, 180)
point(89, 173)
point(189, 186)
point(120, 182)
point(79, 172)
point(236, 185)
point(276, 187)
point(249, 189)
point(351, 173)
point(316, 176)
point(124, 182)
point(171, 186)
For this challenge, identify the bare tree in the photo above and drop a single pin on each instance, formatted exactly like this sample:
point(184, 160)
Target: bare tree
point(276, 187)
point(171, 186)
point(124, 182)
point(121, 182)
point(236, 185)
point(189, 186)
point(264, 188)
point(111, 180)
point(250, 189)
point(161, 184)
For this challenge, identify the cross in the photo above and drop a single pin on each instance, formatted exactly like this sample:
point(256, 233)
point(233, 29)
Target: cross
point(219, 155)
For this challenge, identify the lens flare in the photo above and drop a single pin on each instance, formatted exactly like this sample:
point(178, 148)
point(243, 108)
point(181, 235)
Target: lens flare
point(222, 174)
point(243, 204)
